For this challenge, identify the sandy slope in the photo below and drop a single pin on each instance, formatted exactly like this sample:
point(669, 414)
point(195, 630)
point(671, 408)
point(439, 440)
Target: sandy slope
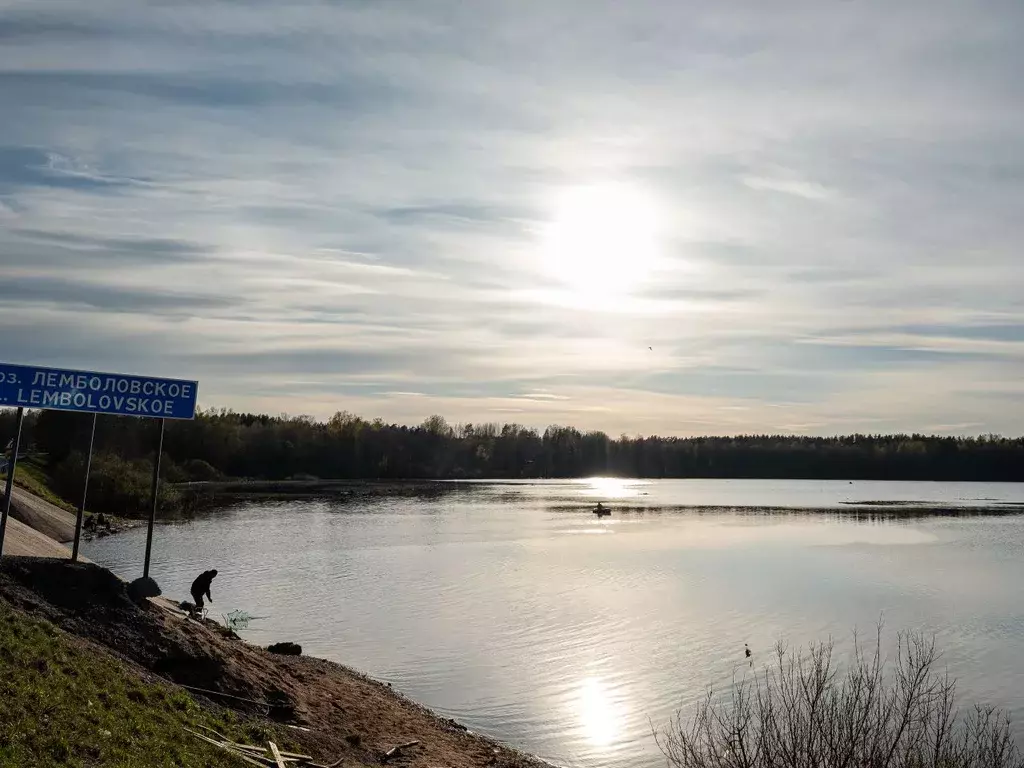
point(43, 516)
point(35, 527)
point(22, 541)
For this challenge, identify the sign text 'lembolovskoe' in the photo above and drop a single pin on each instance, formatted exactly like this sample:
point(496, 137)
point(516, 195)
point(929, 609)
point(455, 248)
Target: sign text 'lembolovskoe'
point(27, 386)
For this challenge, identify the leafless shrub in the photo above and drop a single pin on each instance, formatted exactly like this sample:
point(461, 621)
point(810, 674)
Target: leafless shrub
point(805, 711)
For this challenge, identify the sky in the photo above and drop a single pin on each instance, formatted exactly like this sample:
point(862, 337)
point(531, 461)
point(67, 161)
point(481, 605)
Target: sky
point(675, 218)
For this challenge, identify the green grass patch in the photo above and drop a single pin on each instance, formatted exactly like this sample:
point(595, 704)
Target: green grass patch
point(65, 705)
point(34, 479)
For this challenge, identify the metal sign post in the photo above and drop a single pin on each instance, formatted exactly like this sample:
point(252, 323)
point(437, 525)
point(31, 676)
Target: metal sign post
point(12, 465)
point(154, 492)
point(85, 492)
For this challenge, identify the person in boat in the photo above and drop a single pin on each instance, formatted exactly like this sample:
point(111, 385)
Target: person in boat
point(600, 509)
point(200, 587)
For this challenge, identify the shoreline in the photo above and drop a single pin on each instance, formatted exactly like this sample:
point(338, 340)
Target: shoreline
point(336, 709)
point(224, 493)
point(341, 490)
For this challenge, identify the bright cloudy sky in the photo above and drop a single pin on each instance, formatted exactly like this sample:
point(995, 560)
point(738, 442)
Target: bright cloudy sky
point(647, 217)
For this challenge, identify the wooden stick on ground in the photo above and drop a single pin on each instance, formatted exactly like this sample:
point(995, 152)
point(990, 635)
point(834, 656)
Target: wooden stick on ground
point(259, 751)
point(395, 750)
point(220, 736)
point(237, 753)
point(296, 756)
point(277, 755)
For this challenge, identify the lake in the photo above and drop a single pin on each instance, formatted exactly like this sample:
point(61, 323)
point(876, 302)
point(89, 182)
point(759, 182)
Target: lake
point(511, 608)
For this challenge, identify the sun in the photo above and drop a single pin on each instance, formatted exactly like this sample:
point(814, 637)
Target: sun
point(602, 239)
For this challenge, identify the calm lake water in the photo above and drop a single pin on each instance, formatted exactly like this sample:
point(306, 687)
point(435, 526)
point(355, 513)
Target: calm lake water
point(511, 608)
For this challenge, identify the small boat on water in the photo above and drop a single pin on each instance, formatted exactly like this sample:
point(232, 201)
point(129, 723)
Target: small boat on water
point(601, 511)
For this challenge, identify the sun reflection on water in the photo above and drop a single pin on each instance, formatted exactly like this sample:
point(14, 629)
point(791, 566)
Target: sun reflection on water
point(609, 487)
point(599, 716)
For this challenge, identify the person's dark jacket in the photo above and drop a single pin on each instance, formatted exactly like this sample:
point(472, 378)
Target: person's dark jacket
point(201, 586)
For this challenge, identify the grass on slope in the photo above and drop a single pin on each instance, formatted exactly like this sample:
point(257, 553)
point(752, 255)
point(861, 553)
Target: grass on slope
point(30, 476)
point(65, 703)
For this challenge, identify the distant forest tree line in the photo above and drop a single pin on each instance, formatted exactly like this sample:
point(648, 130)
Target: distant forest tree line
point(222, 443)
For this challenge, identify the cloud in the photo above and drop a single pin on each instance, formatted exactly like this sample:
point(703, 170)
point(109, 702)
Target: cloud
point(342, 205)
point(36, 246)
point(795, 187)
point(71, 294)
point(28, 166)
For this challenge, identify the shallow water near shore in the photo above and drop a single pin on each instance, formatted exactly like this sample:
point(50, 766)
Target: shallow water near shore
point(513, 609)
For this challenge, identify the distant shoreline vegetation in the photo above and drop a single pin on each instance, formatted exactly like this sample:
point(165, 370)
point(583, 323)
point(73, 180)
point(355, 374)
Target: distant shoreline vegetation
point(221, 444)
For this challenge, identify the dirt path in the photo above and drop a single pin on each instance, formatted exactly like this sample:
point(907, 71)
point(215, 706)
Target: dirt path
point(36, 528)
point(22, 541)
point(51, 521)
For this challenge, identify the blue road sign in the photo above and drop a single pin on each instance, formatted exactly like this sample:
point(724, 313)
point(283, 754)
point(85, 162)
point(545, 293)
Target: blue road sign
point(27, 386)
